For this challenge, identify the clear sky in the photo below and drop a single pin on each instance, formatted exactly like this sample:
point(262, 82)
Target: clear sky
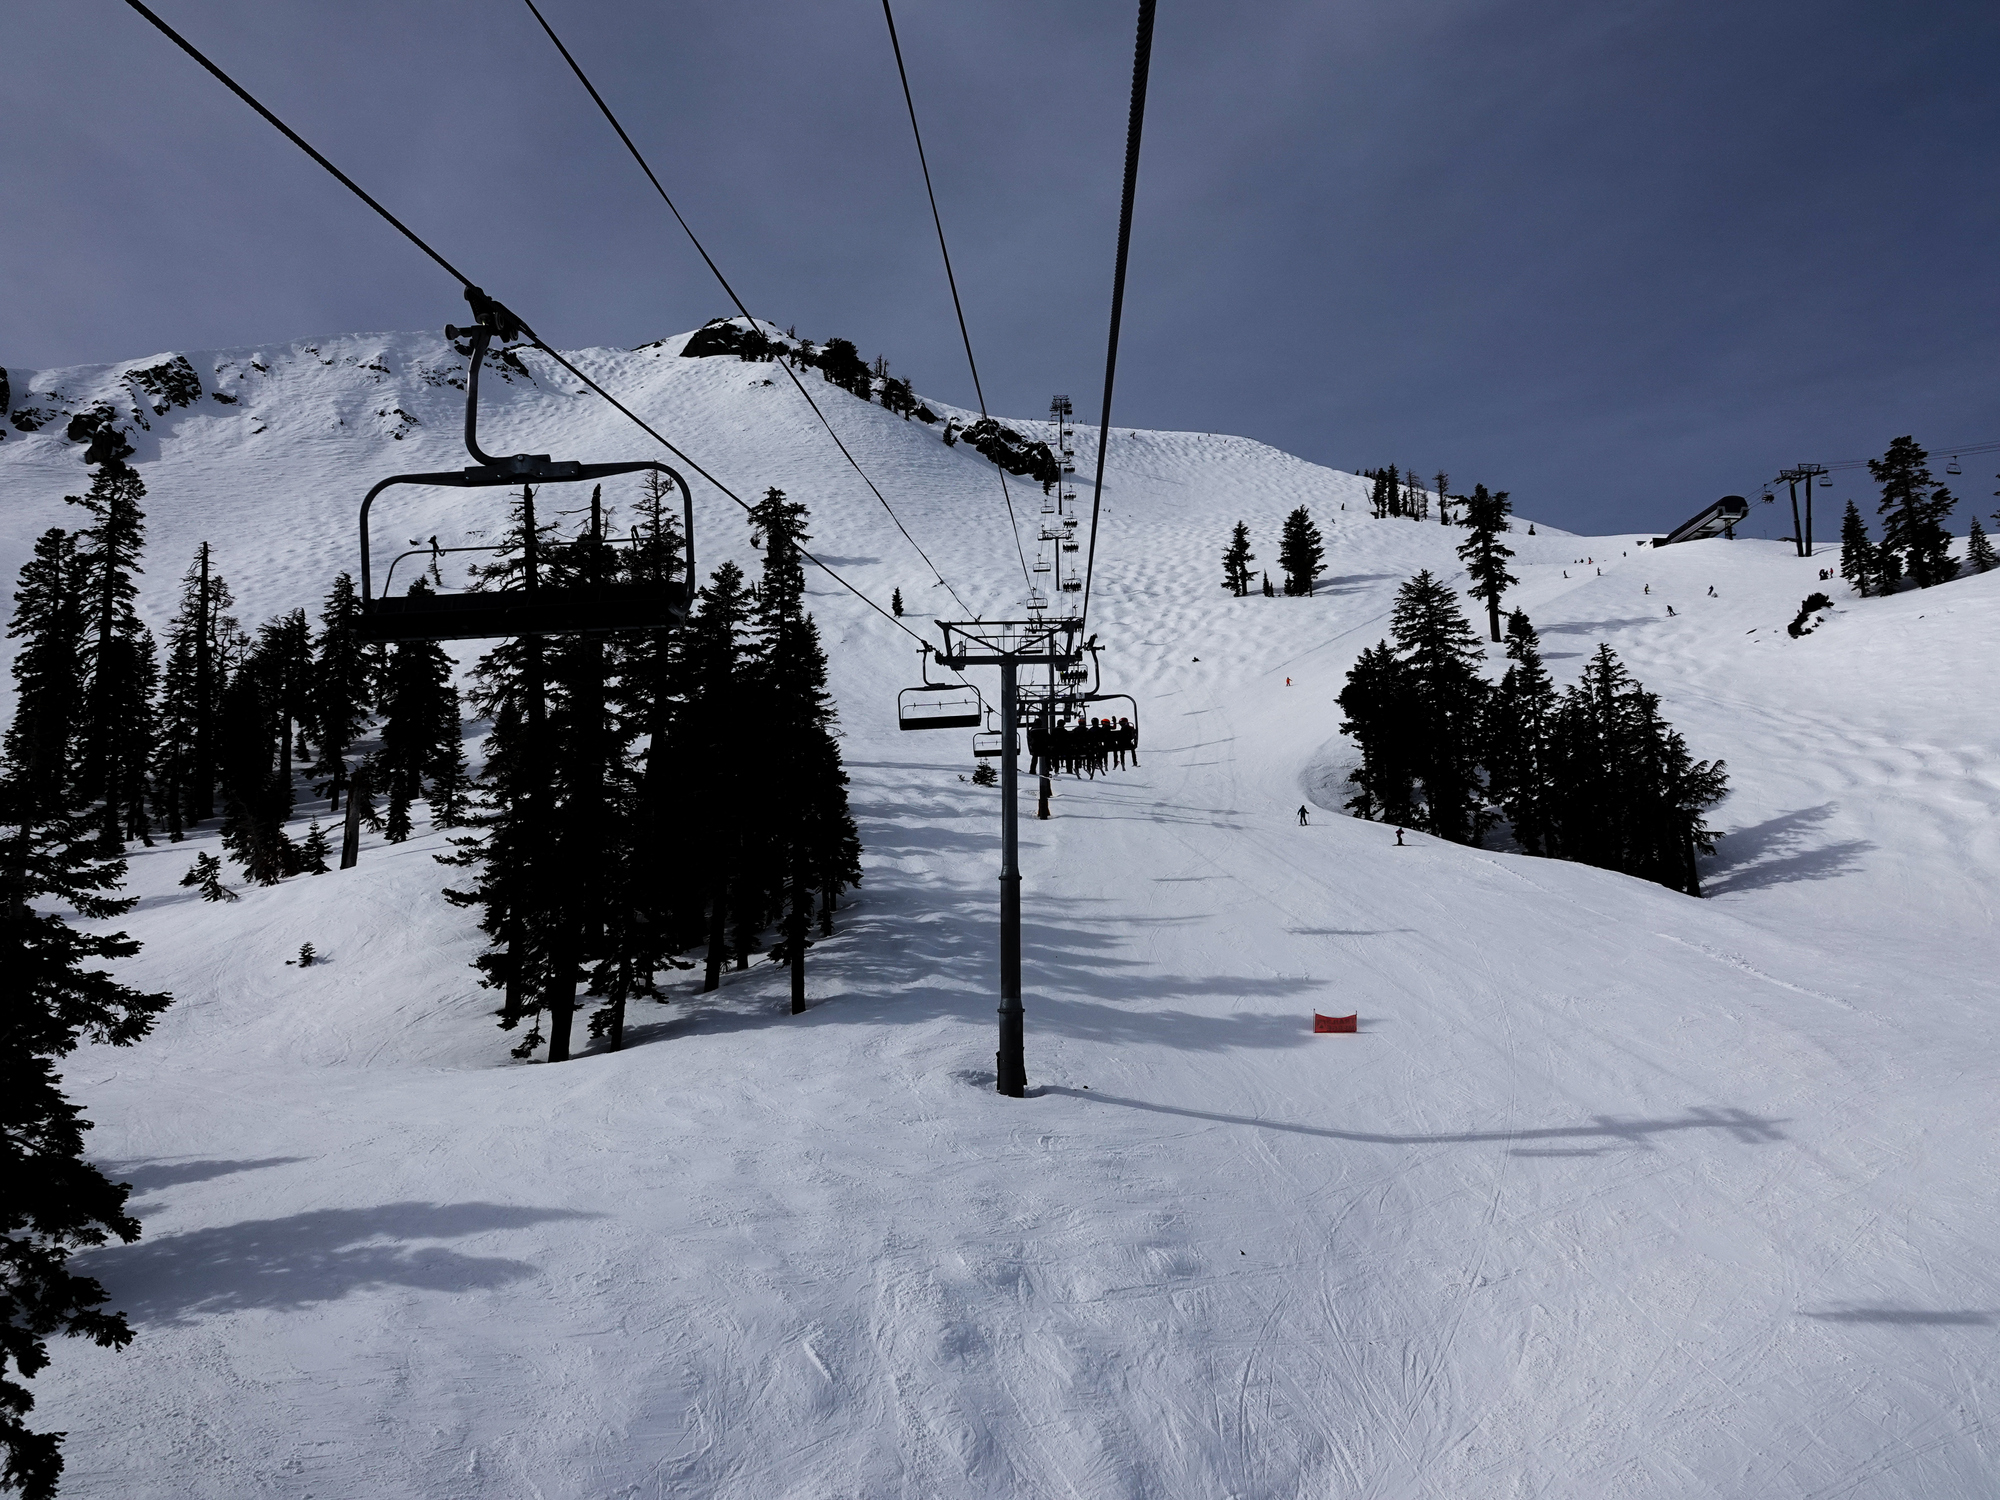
point(1616, 258)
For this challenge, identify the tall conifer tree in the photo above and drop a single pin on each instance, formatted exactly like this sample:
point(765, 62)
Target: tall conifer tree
point(1301, 552)
point(1860, 564)
point(116, 730)
point(57, 993)
point(1236, 560)
point(1484, 554)
point(1914, 507)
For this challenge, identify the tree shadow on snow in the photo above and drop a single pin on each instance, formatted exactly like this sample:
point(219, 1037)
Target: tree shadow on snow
point(1909, 1316)
point(1593, 627)
point(887, 962)
point(318, 1256)
point(151, 1176)
point(1771, 853)
point(1751, 1130)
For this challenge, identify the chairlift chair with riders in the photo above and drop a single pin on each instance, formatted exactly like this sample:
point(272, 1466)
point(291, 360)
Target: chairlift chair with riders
point(592, 606)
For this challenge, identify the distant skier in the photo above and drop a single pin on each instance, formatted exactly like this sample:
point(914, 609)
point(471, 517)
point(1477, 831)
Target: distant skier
point(1399, 840)
point(1670, 611)
point(1649, 588)
point(1302, 815)
point(1711, 591)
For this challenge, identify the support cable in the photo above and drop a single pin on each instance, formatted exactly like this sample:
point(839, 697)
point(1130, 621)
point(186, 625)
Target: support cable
point(1013, 525)
point(605, 109)
point(1142, 57)
point(464, 281)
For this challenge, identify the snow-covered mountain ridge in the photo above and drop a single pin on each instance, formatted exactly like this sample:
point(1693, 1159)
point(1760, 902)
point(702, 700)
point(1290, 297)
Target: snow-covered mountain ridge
point(1614, 1193)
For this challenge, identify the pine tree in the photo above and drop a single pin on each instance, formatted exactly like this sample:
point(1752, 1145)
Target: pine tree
point(1441, 479)
point(711, 738)
point(1236, 560)
point(1623, 791)
point(1379, 704)
point(1860, 563)
point(1517, 731)
point(58, 993)
point(256, 796)
point(513, 850)
point(314, 851)
point(1914, 507)
point(1978, 550)
point(592, 854)
point(1269, 592)
point(1300, 553)
point(343, 675)
point(184, 768)
point(1484, 554)
point(1441, 654)
point(206, 873)
point(812, 843)
point(50, 623)
point(115, 732)
point(896, 602)
point(420, 726)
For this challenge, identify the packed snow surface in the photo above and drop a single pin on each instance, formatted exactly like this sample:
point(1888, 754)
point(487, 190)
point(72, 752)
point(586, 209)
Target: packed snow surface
point(1615, 1192)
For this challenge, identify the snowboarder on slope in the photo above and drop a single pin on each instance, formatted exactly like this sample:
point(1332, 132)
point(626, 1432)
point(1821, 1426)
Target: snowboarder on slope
point(1399, 840)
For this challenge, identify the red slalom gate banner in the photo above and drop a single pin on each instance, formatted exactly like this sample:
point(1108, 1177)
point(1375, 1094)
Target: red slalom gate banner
point(1336, 1023)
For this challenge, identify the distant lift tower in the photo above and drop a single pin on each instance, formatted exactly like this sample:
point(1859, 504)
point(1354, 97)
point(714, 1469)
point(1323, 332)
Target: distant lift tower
point(1802, 536)
point(1010, 645)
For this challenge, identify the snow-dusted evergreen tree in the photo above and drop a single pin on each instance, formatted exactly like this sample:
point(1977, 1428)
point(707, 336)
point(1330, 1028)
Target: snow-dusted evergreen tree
point(1484, 554)
point(343, 676)
point(284, 656)
point(711, 739)
point(184, 762)
point(114, 748)
point(1301, 552)
point(1517, 732)
point(811, 842)
point(1625, 793)
point(1978, 550)
point(58, 992)
point(1236, 560)
point(205, 874)
point(1380, 712)
point(513, 848)
point(1441, 654)
point(1913, 508)
point(896, 602)
point(254, 802)
point(420, 730)
point(1860, 563)
point(50, 625)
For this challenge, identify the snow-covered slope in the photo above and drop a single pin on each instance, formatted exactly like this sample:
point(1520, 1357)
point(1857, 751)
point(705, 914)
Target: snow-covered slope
point(1615, 1192)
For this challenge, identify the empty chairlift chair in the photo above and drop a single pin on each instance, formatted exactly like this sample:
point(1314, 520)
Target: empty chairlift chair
point(545, 602)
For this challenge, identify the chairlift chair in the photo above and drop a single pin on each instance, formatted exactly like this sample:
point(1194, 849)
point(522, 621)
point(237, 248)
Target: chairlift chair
point(537, 608)
point(940, 708)
point(1952, 467)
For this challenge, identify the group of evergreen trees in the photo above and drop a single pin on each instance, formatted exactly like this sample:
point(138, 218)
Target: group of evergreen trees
point(1592, 774)
point(73, 778)
point(1301, 557)
point(1915, 541)
point(1395, 493)
point(656, 793)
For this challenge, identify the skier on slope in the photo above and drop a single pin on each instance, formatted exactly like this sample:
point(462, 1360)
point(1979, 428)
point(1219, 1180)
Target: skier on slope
point(1302, 815)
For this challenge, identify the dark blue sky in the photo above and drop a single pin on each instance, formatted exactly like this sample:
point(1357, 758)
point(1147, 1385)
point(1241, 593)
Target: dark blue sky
point(1616, 259)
